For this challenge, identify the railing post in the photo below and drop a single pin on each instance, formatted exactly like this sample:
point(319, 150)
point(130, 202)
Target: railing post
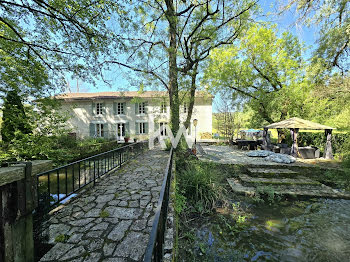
point(58, 185)
point(120, 159)
point(66, 173)
point(94, 172)
point(48, 187)
point(85, 172)
point(73, 179)
point(79, 175)
point(98, 167)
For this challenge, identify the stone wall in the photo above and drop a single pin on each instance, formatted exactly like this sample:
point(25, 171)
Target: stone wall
point(17, 202)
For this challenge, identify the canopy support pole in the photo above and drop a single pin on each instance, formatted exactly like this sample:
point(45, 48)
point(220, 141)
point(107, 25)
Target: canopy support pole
point(266, 139)
point(279, 133)
point(328, 152)
point(294, 134)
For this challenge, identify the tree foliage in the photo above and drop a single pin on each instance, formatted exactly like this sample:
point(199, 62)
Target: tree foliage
point(231, 116)
point(14, 117)
point(333, 19)
point(330, 102)
point(169, 38)
point(18, 69)
point(41, 40)
point(265, 71)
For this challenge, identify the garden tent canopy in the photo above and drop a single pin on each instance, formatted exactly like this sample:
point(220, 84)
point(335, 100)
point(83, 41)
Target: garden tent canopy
point(296, 122)
point(251, 131)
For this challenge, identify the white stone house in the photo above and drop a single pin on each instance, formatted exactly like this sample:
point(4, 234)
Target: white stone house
point(113, 115)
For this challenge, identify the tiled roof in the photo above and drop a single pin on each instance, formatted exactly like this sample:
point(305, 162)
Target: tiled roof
point(126, 94)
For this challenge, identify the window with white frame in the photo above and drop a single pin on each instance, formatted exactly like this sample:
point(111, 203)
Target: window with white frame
point(120, 108)
point(142, 108)
point(142, 128)
point(185, 108)
point(99, 107)
point(163, 107)
point(162, 128)
point(99, 130)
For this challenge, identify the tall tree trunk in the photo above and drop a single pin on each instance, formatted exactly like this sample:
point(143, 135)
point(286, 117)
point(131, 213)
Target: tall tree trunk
point(173, 70)
point(192, 95)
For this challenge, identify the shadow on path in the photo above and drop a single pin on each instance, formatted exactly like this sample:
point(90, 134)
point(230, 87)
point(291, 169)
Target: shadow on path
point(111, 221)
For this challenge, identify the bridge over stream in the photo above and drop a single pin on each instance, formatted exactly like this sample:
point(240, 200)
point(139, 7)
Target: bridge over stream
point(112, 220)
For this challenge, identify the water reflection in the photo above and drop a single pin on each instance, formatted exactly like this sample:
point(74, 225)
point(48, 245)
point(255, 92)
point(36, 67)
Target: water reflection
point(316, 230)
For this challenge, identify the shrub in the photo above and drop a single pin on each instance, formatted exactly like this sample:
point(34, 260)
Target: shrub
point(197, 183)
point(340, 143)
point(206, 135)
point(168, 144)
point(266, 194)
point(61, 149)
point(337, 178)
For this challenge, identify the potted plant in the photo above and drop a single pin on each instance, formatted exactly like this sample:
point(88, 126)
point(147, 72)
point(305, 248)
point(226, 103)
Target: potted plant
point(134, 139)
point(126, 137)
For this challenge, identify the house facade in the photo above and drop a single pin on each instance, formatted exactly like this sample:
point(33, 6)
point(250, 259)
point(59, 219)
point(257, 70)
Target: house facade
point(113, 115)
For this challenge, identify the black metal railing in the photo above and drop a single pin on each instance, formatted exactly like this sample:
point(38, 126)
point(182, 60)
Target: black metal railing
point(155, 247)
point(56, 185)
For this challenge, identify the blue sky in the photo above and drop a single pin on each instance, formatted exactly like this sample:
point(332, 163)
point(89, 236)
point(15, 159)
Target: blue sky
point(287, 22)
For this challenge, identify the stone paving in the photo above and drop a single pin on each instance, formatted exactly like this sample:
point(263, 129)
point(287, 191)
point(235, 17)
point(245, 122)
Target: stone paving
point(310, 191)
point(265, 173)
point(230, 155)
point(111, 221)
point(295, 185)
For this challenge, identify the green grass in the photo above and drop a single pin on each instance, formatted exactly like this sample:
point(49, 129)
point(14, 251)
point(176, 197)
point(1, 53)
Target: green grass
point(104, 214)
point(198, 184)
point(61, 238)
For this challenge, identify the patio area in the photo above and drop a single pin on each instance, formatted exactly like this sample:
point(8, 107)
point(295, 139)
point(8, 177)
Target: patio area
point(231, 155)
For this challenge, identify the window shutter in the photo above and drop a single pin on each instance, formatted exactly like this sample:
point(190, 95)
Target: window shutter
point(112, 131)
point(92, 130)
point(124, 108)
point(146, 128)
point(114, 108)
point(146, 107)
point(136, 108)
point(105, 130)
point(137, 128)
point(104, 108)
point(93, 109)
point(127, 128)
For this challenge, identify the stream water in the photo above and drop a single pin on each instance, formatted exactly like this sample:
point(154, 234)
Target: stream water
point(317, 230)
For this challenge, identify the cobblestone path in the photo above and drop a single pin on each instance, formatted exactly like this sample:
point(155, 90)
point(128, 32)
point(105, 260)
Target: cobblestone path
point(111, 221)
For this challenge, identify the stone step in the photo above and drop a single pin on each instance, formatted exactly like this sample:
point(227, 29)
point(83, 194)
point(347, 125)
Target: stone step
point(321, 191)
point(294, 167)
point(272, 173)
point(251, 181)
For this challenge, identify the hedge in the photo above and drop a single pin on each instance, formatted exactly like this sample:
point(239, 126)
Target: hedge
point(339, 141)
